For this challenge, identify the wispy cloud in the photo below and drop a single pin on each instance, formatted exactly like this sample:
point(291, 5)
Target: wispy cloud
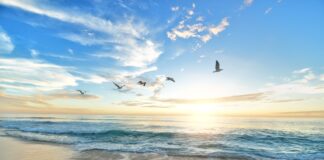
point(246, 3)
point(302, 82)
point(21, 101)
point(175, 8)
point(34, 53)
point(250, 97)
point(187, 29)
point(286, 100)
point(301, 71)
point(134, 48)
point(172, 102)
point(34, 75)
point(86, 40)
point(268, 10)
point(306, 73)
point(68, 94)
point(6, 43)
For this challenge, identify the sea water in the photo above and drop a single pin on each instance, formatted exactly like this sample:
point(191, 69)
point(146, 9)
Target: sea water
point(190, 136)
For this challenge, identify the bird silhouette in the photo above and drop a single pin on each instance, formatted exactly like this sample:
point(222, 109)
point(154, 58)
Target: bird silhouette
point(81, 92)
point(217, 67)
point(118, 86)
point(170, 79)
point(141, 83)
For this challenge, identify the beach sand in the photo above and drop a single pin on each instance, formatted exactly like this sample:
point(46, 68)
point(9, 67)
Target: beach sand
point(16, 149)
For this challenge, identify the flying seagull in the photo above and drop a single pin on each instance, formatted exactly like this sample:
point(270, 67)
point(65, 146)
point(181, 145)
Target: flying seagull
point(217, 67)
point(170, 79)
point(141, 83)
point(81, 92)
point(118, 86)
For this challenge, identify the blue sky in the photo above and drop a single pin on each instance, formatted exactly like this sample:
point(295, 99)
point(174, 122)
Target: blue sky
point(271, 52)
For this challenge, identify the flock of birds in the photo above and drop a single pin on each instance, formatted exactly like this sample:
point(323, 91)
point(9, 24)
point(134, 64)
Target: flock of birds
point(143, 83)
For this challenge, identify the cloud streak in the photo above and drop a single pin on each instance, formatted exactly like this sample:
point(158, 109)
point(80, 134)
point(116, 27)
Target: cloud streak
point(172, 102)
point(6, 43)
point(133, 47)
point(34, 75)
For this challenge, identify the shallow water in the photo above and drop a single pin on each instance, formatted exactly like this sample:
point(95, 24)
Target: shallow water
point(190, 136)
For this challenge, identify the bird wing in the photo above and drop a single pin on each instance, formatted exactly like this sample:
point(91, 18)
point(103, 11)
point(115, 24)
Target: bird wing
point(217, 65)
point(116, 85)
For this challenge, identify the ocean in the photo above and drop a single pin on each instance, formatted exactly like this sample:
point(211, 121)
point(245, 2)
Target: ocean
point(184, 136)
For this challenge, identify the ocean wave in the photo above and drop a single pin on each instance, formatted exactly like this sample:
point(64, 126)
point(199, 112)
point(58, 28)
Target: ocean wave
point(234, 143)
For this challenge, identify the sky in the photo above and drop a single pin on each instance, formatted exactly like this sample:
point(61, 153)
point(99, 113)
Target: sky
point(272, 54)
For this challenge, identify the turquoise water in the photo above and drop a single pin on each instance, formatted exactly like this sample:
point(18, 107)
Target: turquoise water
point(259, 138)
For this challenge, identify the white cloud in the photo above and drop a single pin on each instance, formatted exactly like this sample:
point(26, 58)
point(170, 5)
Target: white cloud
point(306, 73)
point(70, 51)
point(200, 19)
point(125, 76)
point(6, 43)
point(294, 87)
point(34, 53)
point(178, 52)
point(93, 79)
point(302, 71)
point(175, 8)
point(215, 30)
point(133, 47)
point(196, 30)
point(268, 10)
point(157, 85)
point(85, 40)
point(190, 12)
point(248, 2)
point(34, 75)
point(206, 38)
point(303, 82)
point(135, 53)
point(86, 20)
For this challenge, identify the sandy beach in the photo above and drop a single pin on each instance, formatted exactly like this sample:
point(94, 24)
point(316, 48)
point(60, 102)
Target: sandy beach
point(16, 149)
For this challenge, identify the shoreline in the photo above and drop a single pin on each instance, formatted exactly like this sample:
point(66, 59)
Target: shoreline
point(12, 148)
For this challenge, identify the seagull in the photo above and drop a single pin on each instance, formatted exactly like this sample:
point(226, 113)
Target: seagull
point(118, 86)
point(217, 68)
point(141, 83)
point(170, 79)
point(81, 92)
